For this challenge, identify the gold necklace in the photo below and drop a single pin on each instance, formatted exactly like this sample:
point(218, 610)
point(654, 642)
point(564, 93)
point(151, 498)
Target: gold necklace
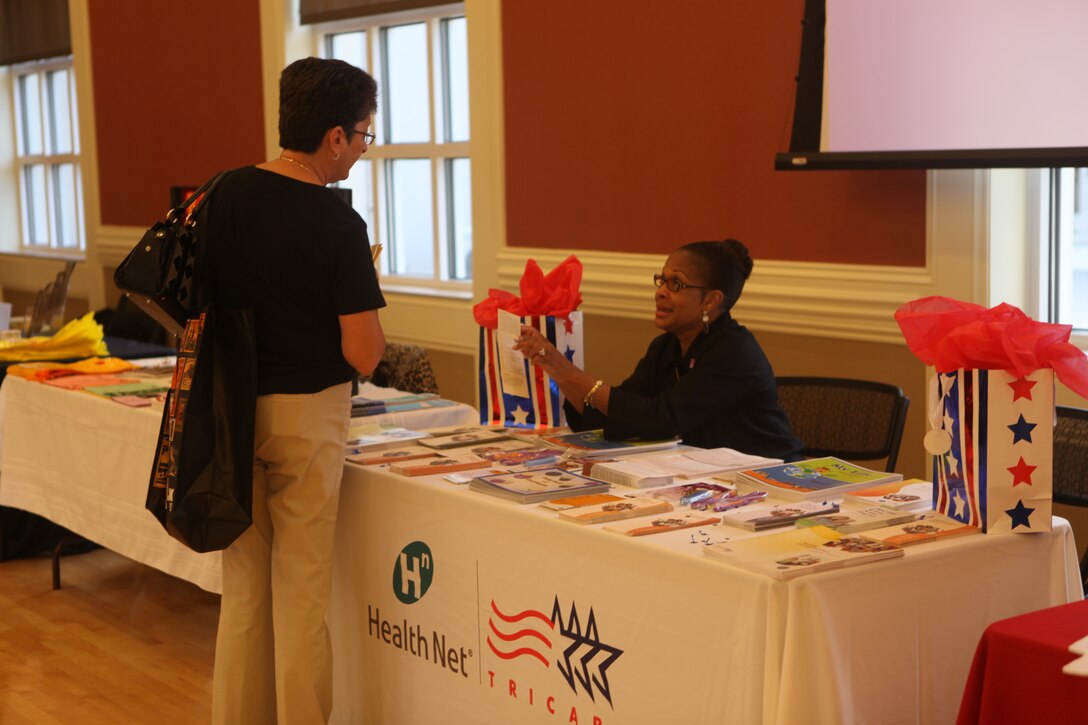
point(299, 163)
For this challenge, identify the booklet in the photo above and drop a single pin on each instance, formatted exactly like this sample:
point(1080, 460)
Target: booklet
point(392, 455)
point(572, 502)
point(630, 472)
point(850, 520)
point(592, 443)
point(372, 437)
point(536, 486)
point(822, 478)
point(928, 527)
point(910, 493)
point(701, 462)
point(660, 524)
point(627, 508)
point(772, 514)
point(791, 553)
point(440, 463)
point(460, 437)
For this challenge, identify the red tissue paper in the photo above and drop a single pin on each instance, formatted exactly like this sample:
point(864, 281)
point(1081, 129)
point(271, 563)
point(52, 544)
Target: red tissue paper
point(949, 334)
point(556, 294)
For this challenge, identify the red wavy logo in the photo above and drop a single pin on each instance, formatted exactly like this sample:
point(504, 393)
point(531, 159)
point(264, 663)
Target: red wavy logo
point(525, 634)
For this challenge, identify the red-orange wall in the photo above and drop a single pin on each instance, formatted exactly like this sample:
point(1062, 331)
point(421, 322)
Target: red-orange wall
point(639, 126)
point(177, 93)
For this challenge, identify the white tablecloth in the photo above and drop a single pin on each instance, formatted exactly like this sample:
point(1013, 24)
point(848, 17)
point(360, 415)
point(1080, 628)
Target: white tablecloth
point(695, 641)
point(83, 462)
point(529, 619)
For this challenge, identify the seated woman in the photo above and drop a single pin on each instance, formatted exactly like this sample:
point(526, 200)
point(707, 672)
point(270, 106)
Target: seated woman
point(705, 379)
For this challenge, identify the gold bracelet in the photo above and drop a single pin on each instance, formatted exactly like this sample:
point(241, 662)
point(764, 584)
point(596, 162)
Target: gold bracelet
point(587, 402)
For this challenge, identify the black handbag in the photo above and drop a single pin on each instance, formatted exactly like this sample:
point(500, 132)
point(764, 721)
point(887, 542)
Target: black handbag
point(201, 487)
point(161, 273)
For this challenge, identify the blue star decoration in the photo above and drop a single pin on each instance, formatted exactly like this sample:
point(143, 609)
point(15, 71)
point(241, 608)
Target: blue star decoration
point(1020, 514)
point(569, 354)
point(1021, 430)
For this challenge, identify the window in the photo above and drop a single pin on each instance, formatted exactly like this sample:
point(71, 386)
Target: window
point(413, 185)
point(1068, 248)
point(47, 156)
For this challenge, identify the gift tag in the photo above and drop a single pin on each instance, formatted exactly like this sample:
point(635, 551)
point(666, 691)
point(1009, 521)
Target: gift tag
point(937, 442)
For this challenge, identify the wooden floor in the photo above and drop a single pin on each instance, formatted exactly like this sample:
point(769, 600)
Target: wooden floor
point(119, 643)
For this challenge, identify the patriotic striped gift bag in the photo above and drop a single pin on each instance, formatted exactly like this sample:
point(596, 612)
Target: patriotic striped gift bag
point(515, 393)
point(992, 440)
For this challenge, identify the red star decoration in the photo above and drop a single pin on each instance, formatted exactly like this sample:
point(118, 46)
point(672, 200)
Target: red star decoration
point(1021, 472)
point(1021, 388)
point(568, 324)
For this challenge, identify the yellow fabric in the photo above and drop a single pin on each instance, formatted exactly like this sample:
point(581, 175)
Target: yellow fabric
point(89, 366)
point(79, 338)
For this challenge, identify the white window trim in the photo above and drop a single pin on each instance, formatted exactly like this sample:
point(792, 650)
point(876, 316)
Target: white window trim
point(437, 152)
point(21, 161)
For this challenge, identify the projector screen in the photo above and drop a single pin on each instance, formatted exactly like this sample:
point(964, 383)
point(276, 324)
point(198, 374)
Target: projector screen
point(941, 84)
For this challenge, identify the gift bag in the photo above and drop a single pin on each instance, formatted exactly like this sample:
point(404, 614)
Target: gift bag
point(515, 393)
point(201, 487)
point(997, 429)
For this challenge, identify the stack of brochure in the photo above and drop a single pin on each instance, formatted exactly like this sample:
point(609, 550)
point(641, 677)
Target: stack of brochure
point(821, 478)
point(795, 552)
point(536, 486)
point(910, 493)
point(850, 520)
point(770, 515)
point(625, 508)
point(928, 527)
point(592, 443)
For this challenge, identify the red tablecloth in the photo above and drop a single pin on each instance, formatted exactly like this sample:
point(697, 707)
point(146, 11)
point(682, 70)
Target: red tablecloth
point(1017, 676)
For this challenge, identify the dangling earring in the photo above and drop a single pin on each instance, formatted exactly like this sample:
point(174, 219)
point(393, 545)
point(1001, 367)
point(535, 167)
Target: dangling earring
point(336, 157)
point(706, 321)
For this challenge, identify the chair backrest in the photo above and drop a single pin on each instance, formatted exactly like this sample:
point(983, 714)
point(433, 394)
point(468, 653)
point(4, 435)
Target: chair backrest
point(405, 367)
point(1071, 456)
point(856, 420)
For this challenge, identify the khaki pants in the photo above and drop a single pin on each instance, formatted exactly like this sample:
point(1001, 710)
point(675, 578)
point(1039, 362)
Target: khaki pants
point(272, 658)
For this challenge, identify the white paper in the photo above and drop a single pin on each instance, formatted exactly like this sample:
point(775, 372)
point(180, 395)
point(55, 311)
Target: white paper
point(515, 381)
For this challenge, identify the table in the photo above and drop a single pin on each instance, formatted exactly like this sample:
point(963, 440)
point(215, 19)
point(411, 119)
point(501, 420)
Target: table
point(83, 462)
point(441, 597)
point(655, 632)
point(1017, 673)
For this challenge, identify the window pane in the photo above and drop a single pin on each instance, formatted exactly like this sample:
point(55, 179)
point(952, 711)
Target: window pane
point(411, 217)
point(405, 87)
point(37, 221)
point(30, 117)
point(1075, 310)
point(349, 47)
point(60, 113)
point(65, 207)
point(362, 196)
point(456, 79)
point(460, 227)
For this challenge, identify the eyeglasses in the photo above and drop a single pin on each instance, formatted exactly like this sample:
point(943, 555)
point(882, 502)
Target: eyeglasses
point(368, 137)
point(674, 284)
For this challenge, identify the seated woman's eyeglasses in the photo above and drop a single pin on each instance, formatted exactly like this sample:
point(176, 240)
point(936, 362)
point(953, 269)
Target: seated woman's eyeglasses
point(674, 284)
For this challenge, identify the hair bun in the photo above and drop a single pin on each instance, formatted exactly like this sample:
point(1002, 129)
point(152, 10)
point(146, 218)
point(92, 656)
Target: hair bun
point(742, 255)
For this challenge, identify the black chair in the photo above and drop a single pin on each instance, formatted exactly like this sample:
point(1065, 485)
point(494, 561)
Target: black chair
point(1071, 464)
point(856, 420)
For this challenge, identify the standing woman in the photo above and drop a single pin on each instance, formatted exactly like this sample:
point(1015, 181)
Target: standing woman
point(299, 257)
point(705, 379)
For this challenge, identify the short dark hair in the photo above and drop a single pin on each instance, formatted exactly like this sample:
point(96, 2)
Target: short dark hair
point(726, 266)
point(317, 94)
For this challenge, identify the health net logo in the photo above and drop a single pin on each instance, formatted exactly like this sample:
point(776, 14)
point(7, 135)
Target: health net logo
point(413, 572)
point(577, 652)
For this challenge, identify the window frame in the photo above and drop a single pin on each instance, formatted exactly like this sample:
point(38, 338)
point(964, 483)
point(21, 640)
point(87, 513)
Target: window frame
point(440, 153)
point(47, 159)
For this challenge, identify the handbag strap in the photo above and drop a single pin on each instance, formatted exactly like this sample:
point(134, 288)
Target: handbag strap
point(192, 204)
